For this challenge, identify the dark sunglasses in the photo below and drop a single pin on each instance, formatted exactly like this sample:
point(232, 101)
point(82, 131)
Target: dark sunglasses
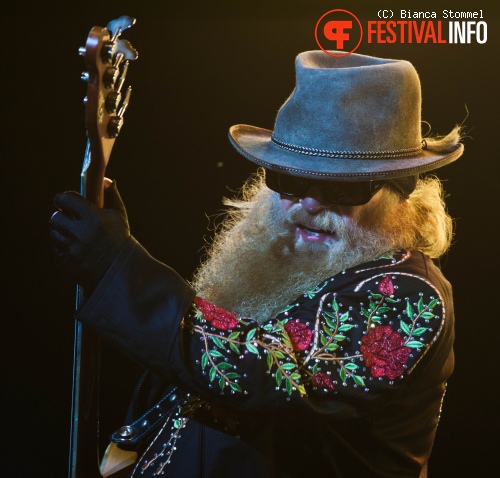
point(344, 193)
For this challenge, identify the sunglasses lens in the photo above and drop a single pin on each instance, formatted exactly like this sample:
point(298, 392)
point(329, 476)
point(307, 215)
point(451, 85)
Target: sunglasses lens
point(285, 184)
point(335, 192)
point(350, 194)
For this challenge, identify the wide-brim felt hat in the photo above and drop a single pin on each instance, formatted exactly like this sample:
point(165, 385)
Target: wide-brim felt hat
point(349, 118)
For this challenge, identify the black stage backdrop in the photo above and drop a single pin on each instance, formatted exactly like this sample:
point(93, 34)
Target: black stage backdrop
point(202, 67)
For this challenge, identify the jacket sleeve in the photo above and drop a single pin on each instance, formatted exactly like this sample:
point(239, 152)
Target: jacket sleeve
point(346, 342)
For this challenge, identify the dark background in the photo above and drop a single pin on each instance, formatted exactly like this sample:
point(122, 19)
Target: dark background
point(204, 66)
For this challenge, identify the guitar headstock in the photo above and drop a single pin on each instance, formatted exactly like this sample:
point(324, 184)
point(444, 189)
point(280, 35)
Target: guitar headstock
point(107, 57)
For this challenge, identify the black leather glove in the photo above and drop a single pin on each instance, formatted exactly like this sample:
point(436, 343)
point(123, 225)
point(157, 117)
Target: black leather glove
point(87, 239)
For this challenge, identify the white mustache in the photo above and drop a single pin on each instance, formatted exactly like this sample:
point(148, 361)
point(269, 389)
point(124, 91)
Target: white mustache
point(326, 220)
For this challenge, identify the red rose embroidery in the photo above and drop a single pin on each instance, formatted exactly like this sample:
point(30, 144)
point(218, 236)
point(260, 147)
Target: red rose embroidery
point(322, 380)
point(219, 318)
point(386, 287)
point(384, 351)
point(299, 334)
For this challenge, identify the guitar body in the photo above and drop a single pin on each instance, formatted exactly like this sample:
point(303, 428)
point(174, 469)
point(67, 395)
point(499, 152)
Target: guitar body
point(107, 58)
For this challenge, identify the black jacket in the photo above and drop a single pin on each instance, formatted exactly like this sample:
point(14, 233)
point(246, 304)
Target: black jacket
point(347, 381)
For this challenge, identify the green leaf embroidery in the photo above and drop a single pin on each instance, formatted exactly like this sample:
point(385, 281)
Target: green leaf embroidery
point(250, 334)
point(342, 374)
point(404, 327)
point(415, 344)
point(252, 348)
point(335, 305)
point(212, 374)
point(409, 310)
point(419, 331)
point(329, 321)
point(351, 366)
point(420, 305)
point(428, 315)
point(232, 375)
point(224, 365)
point(384, 309)
point(218, 342)
point(345, 327)
point(328, 331)
point(358, 380)
point(286, 309)
point(270, 360)
point(279, 377)
point(235, 387)
point(344, 317)
point(204, 361)
point(215, 353)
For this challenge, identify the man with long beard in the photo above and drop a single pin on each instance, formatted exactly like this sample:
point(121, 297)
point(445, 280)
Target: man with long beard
point(316, 338)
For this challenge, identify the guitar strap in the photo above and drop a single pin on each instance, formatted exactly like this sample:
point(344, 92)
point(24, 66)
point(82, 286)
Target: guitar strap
point(122, 451)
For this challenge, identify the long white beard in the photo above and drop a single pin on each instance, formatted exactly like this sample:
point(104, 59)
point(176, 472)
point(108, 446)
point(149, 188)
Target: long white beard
point(256, 266)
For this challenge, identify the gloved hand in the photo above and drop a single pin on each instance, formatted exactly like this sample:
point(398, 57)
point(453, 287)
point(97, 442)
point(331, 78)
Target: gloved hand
point(87, 239)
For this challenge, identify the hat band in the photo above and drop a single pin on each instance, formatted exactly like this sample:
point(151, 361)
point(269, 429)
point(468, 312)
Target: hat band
point(396, 153)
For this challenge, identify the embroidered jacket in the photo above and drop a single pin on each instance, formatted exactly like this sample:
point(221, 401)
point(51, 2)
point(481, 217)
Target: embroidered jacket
point(345, 381)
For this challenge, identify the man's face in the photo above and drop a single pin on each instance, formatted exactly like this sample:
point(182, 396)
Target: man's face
point(313, 203)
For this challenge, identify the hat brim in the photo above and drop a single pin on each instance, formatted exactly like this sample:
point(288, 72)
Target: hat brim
point(256, 145)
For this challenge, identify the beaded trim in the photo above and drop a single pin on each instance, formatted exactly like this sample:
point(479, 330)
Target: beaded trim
point(348, 154)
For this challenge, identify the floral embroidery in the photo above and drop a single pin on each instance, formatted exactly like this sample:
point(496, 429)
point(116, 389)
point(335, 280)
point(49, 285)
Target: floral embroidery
point(299, 335)
point(221, 319)
point(386, 287)
point(385, 352)
point(351, 344)
point(322, 380)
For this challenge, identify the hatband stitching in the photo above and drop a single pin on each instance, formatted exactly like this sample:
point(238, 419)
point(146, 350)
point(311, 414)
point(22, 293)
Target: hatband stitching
point(347, 154)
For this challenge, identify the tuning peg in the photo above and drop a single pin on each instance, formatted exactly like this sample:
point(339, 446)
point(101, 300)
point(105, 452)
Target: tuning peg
point(112, 101)
point(114, 126)
point(120, 24)
point(82, 50)
point(116, 122)
point(85, 76)
point(121, 79)
point(108, 51)
point(110, 76)
point(126, 101)
point(125, 47)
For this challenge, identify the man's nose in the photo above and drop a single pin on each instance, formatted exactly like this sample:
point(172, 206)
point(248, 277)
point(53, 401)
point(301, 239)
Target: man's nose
point(313, 202)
